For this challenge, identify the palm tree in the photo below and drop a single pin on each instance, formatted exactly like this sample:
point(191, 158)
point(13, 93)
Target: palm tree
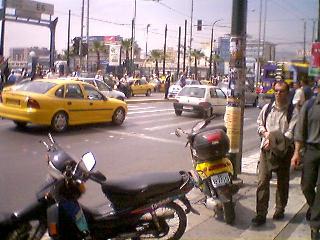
point(98, 47)
point(156, 56)
point(126, 46)
point(197, 55)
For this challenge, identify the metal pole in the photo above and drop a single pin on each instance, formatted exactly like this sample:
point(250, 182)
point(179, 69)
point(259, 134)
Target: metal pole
point(318, 34)
point(210, 60)
point(185, 45)
point(4, 5)
point(68, 42)
point(259, 45)
point(179, 51)
point(164, 51)
point(235, 105)
point(131, 47)
point(148, 25)
point(134, 32)
point(87, 57)
point(81, 34)
point(304, 40)
point(52, 27)
point(190, 44)
point(313, 30)
point(264, 27)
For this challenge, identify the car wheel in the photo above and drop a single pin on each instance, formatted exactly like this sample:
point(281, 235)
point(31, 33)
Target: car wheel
point(208, 113)
point(148, 93)
point(131, 93)
point(19, 124)
point(59, 122)
point(178, 112)
point(118, 116)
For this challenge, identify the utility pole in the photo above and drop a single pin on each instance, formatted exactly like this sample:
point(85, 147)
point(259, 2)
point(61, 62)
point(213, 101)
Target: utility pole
point(4, 6)
point(258, 64)
point(211, 48)
point(264, 26)
point(304, 40)
point(133, 34)
point(185, 45)
point(318, 34)
point(164, 51)
point(190, 44)
point(81, 34)
point(68, 42)
point(179, 50)
point(235, 102)
point(148, 25)
point(87, 57)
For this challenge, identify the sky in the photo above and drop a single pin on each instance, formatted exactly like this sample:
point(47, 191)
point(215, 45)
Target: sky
point(283, 25)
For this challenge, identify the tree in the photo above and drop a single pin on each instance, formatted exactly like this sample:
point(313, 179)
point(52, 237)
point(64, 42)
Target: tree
point(126, 46)
point(197, 55)
point(156, 56)
point(98, 47)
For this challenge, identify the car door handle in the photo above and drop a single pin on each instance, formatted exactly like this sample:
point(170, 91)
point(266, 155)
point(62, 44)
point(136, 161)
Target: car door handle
point(91, 104)
point(69, 103)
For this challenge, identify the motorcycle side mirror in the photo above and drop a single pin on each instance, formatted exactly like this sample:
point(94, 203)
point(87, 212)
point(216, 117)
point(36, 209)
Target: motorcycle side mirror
point(178, 132)
point(198, 126)
point(89, 161)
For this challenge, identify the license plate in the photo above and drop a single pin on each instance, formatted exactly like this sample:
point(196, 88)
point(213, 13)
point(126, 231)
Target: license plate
point(220, 179)
point(187, 107)
point(13, 102)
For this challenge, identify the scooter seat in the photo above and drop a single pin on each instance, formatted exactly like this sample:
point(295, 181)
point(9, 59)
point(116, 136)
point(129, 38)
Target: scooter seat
point(140, 187)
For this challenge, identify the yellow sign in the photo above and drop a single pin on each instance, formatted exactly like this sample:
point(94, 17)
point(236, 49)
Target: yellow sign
point(232, 120)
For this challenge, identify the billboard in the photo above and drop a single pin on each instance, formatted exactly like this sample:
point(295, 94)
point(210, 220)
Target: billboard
point(114, 55)
point(314, 69)
point(30, 9)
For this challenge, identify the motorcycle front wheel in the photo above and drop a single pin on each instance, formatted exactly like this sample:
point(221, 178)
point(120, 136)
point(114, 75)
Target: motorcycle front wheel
point(172, 220)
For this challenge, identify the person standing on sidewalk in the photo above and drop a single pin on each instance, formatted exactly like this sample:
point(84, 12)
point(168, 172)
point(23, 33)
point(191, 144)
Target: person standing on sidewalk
point(276, 122)
point(167, 85)
point(307, 135)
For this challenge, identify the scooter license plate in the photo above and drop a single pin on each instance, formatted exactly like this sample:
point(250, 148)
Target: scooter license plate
point(220, 179)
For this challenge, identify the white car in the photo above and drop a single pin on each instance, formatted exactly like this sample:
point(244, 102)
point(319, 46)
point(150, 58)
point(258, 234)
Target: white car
point(202, 99)
point(175, 88)
point(251, 97)
point(104, 88)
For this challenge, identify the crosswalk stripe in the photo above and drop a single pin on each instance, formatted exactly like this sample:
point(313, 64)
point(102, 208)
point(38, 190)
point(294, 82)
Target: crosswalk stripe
point(150, 111)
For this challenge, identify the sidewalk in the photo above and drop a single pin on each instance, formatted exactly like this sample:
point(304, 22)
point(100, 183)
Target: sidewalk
point(206, 226)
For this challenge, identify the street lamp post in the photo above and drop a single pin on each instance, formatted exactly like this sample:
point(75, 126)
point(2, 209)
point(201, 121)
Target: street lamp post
point(148, 25)
point(211, 47)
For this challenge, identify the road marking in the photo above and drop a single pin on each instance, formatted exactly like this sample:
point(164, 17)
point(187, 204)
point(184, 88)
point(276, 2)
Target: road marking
point(151, 115)
point(169, 125)
point(143, 136)
point(150, 111)
point(139, 107)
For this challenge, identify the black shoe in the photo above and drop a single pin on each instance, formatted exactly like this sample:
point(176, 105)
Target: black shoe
point(315, 235)
point(258, 220)
point(278, 215)
point(308, 214)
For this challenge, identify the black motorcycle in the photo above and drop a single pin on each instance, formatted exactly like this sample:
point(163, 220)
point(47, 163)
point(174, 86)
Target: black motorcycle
point(141, 206)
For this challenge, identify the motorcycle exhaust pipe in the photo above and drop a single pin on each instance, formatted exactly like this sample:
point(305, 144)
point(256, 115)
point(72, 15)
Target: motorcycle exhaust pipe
point(165, 215)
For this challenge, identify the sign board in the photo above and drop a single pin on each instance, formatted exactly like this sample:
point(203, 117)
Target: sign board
point(114, 55)
point(30, 9)
point(314, 69)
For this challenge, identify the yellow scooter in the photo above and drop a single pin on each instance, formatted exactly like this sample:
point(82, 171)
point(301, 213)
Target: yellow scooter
point(213, 170)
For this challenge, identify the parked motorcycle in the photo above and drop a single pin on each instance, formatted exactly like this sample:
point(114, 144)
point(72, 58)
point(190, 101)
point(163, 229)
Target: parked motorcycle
point(141, 206)
point(213, 170)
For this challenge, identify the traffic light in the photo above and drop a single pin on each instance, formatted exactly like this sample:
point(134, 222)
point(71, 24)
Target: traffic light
point(199, 25)
point(76, 45)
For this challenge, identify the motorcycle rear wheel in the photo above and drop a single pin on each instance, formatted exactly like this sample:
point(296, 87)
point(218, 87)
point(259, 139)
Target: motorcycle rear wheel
point(172, 228)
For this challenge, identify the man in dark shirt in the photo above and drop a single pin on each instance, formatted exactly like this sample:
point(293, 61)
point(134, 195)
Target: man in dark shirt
point(307, 135)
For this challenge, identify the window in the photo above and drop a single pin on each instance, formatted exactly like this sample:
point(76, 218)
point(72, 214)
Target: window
point(142, 81)
point(192, 92)
point(36, 86)
point(73, 91)
point(220, 93)
point(60, 92)
point(213, 93)
point(102, 86)
point(92, 93)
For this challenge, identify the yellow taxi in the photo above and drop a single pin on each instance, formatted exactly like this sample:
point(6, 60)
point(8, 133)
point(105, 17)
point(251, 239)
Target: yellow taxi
point(59, 103)
point(140, 86)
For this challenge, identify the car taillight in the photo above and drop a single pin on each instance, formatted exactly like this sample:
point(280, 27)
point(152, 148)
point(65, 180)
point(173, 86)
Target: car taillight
point(204, 104)
point(31, 103)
